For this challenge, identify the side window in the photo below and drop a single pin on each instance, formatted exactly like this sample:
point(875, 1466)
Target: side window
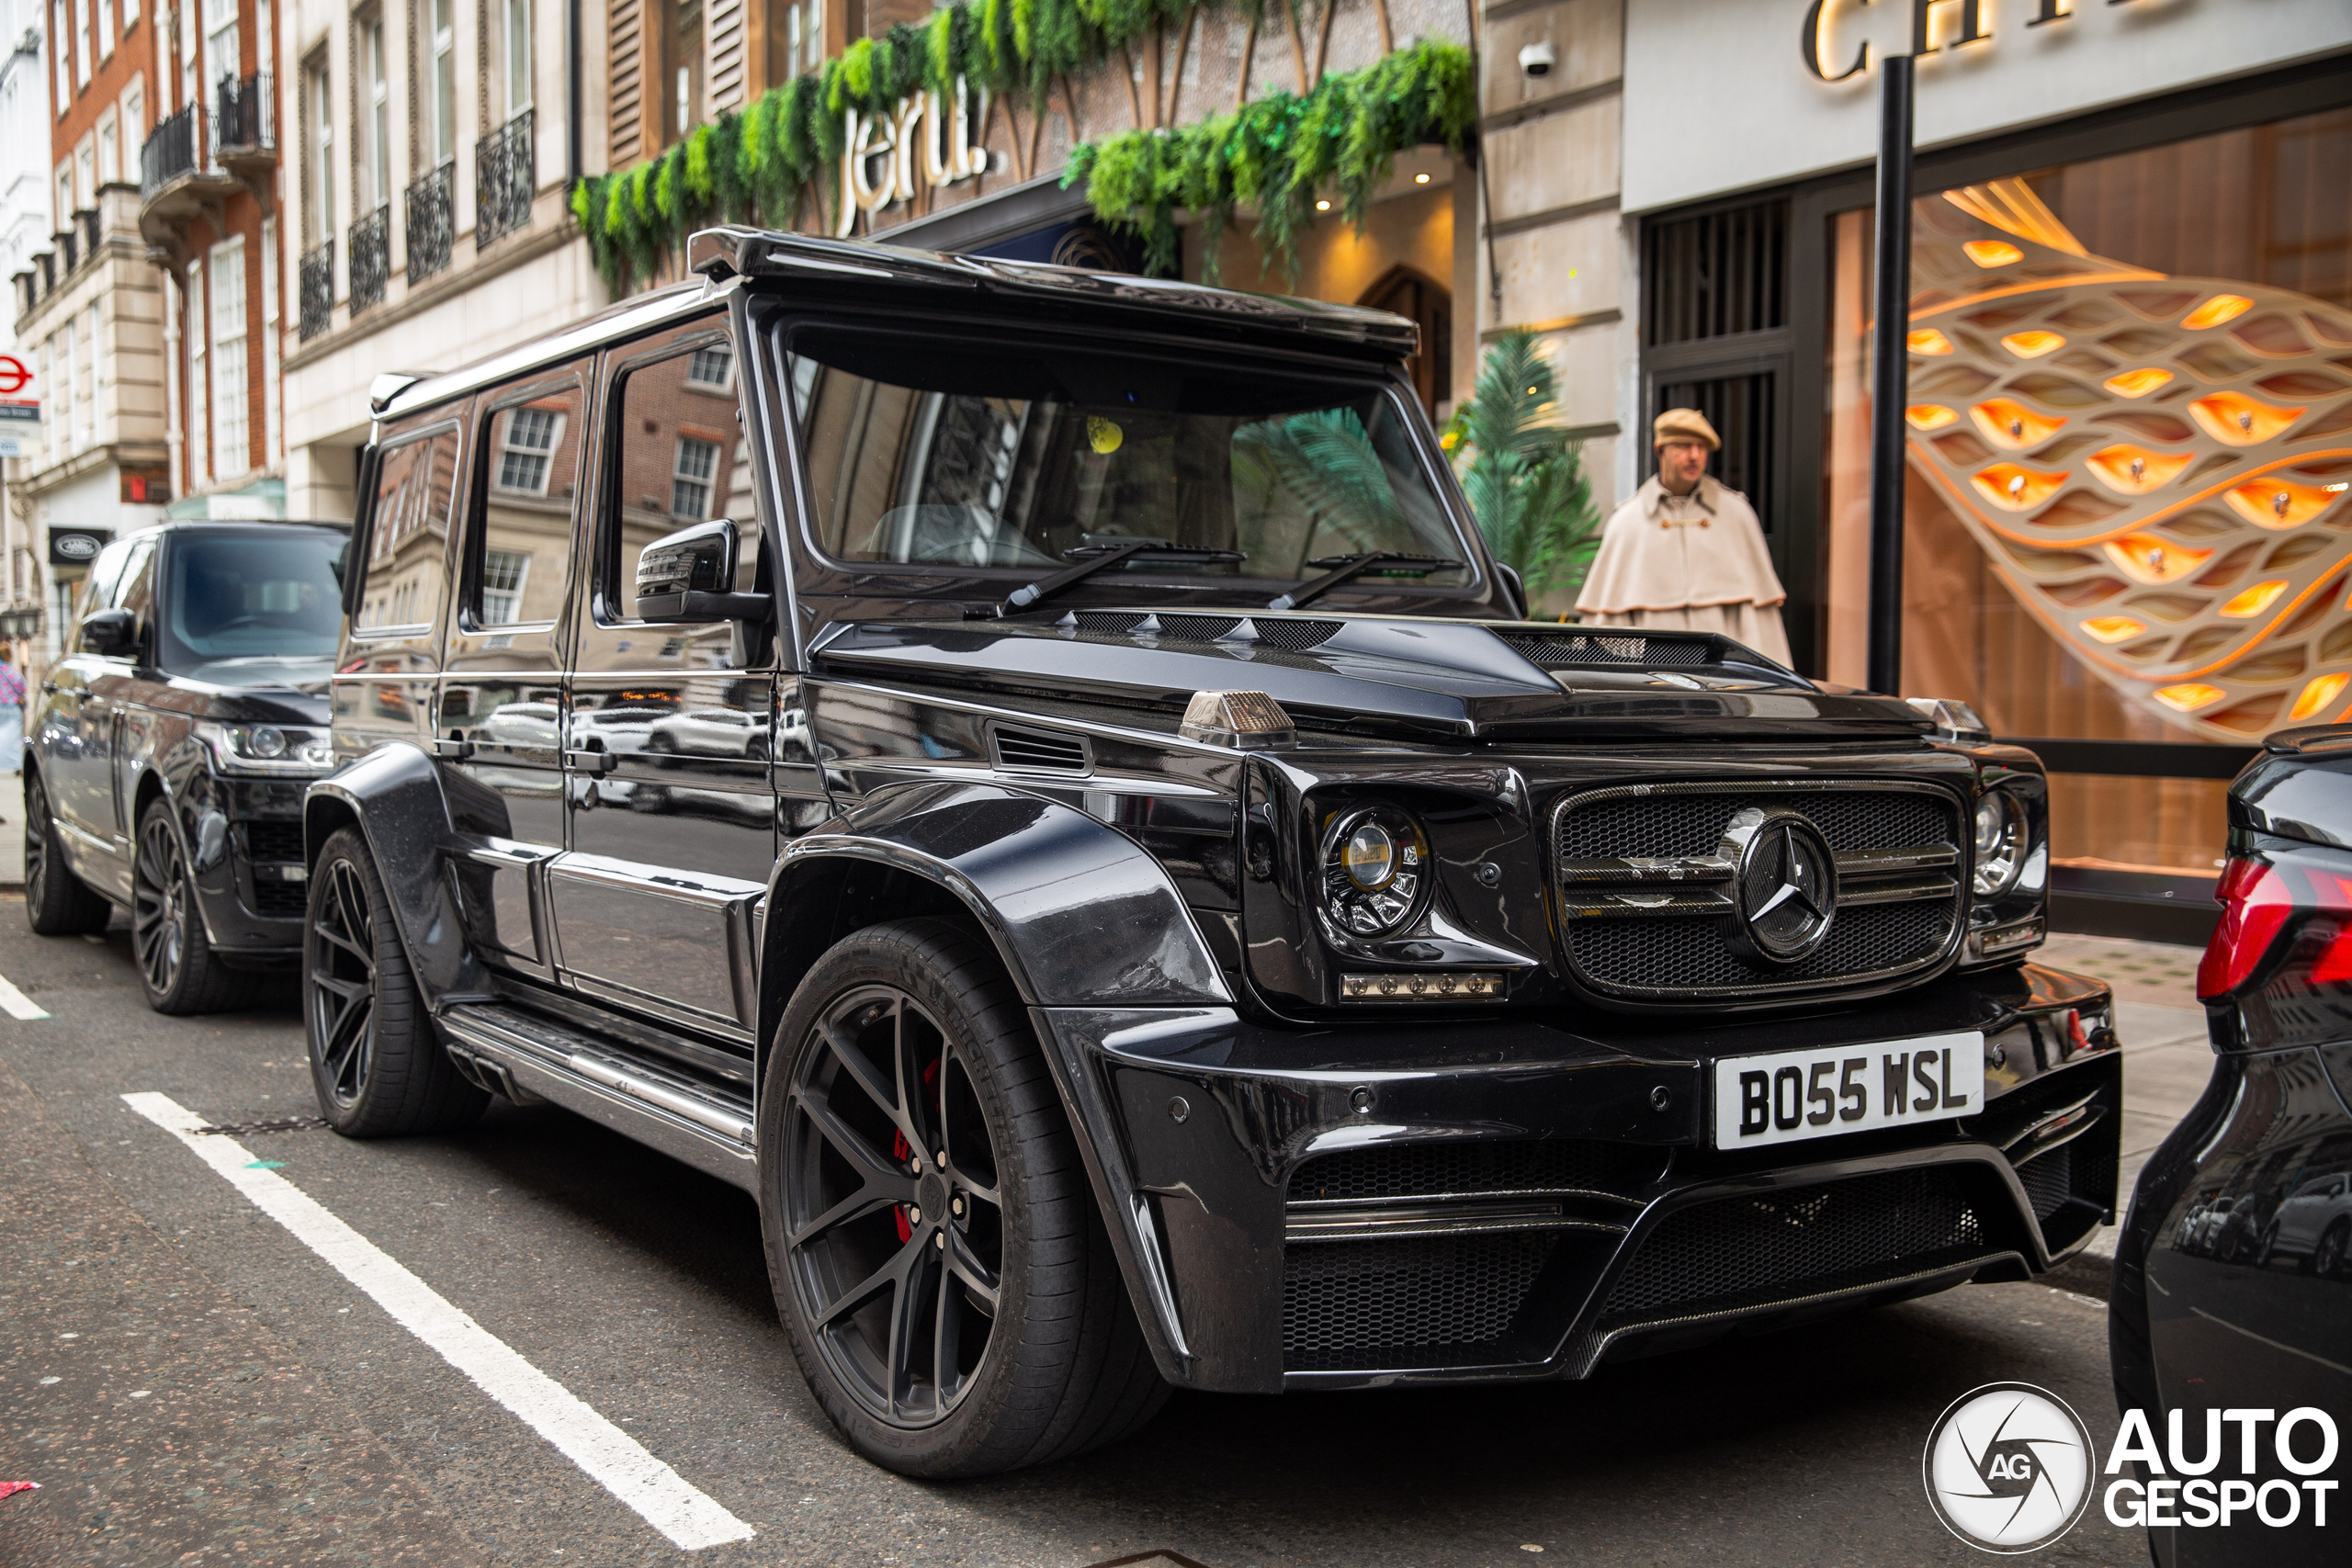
point(519, 550)
point(137, 592)
point(408, 538)
point(680, 459)
point(98, 589)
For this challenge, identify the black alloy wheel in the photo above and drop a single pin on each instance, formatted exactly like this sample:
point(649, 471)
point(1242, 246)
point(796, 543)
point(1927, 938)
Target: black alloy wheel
point(895, 1229)
point(931, 1234)
point(177, 966)
point(57, 902)
point(375, 1062)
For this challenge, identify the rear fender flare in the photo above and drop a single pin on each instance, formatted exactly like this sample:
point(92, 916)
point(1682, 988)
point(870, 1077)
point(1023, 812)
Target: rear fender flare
point(394, 795)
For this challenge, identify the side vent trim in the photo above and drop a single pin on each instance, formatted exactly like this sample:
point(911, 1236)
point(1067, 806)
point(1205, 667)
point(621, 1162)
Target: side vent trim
point(1016, 749)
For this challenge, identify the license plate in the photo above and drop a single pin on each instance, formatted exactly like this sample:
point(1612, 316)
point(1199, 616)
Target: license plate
point(1826, 1090)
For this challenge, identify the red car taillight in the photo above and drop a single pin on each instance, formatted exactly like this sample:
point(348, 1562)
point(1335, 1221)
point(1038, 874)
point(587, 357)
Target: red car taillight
point(2256, 898)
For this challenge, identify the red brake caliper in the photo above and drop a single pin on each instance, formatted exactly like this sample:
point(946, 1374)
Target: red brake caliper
point(900, 1152)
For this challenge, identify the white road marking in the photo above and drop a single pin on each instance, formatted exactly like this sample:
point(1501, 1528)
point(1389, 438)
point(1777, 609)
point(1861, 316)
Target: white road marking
point(15, 1004)
point(610, 1456)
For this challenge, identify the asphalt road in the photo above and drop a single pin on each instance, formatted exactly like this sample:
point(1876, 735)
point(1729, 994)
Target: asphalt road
point(190, 1384)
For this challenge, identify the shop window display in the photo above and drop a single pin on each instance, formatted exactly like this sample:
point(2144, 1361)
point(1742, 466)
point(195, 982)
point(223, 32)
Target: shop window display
point(2129, 499)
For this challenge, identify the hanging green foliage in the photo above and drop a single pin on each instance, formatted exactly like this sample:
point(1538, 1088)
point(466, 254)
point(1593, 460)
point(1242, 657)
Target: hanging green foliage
point(758, 165)
point(1524, 477)
point(1276, 152)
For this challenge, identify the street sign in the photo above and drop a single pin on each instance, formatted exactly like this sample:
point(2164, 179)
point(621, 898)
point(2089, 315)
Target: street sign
point(19, 417)
point(14, 377)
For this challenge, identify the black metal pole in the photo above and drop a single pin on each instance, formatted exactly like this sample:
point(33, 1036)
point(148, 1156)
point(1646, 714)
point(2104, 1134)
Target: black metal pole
point(1890, 373)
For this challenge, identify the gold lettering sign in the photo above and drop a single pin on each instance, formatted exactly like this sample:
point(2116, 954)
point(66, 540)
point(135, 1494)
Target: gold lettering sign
point(883, 153)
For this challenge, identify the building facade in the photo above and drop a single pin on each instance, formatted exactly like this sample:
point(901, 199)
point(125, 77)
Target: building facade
point(88, 312)
point(429, 153)
point(27, 220)
point(2129, 407)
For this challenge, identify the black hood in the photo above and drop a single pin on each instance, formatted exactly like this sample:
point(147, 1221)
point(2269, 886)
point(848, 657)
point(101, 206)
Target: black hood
point(1425, 679)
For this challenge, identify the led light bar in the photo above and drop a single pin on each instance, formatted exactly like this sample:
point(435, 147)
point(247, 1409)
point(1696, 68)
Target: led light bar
point(1452, 986)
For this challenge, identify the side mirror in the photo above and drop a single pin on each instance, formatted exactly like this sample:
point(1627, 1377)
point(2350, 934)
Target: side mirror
point(113, 634)
point(689, 575)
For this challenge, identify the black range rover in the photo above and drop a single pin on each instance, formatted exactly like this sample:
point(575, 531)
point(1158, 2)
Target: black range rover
point(165, 764)
point(1032, 774)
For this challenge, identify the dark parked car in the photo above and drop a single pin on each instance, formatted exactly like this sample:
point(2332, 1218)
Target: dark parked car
point(2258, 1320)
point(1188, 928)
point(165, 764)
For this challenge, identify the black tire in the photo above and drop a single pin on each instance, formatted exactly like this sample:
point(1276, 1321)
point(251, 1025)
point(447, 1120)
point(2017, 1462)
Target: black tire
point(1062, 1366)
point(57, 902)
point(177, 968)
point(375, 1062)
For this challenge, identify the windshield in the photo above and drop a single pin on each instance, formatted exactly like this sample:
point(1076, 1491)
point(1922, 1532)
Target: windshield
point(960, 455)
point(259, 609)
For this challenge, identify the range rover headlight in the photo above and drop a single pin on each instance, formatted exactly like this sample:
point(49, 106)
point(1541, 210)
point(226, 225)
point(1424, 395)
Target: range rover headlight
point(1376, 863)
point(2000, 842)
point(278, 749)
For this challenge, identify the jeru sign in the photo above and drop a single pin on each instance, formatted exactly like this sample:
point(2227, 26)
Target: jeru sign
point(918, 138)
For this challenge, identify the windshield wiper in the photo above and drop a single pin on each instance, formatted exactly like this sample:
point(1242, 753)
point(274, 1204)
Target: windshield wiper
point(1392, 563)
point(1091, 558)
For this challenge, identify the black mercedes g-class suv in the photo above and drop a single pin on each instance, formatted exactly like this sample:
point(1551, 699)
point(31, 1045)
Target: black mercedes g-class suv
point(1032, 774)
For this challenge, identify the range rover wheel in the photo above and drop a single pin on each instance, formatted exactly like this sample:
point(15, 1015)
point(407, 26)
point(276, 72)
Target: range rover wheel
point(374, 1061)
point(57, 902)
point(177, 967)
point(932, 1239)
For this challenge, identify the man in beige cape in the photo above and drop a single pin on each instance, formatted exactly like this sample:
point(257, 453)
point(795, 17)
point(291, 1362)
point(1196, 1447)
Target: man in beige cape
point(1686, 553)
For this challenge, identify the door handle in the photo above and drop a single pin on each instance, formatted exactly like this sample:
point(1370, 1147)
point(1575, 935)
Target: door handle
point(451, 748)
point(592, 761)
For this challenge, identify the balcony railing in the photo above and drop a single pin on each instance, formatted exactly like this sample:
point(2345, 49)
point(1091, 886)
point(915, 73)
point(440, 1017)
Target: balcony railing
point(432, 222)
point(505, 179)
point(371, 259)
point(318, 290)
point(241, 116)
point(169, 152)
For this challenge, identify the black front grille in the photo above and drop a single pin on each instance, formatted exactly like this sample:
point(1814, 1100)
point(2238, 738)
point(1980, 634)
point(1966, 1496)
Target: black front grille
point(1475, 1166)
point(1800, 1241)
point(274, 843)
point(1693, 823)
point(1684, 956)
point(1418, 1301)
point(281, 897)
point(1683, 959)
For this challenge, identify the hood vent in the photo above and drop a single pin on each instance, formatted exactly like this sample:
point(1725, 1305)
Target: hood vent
point(1291, 634)
point(1018, 751)
point(1626, 650)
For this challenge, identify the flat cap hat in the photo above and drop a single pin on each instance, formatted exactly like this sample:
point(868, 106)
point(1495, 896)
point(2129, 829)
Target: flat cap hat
point(1685, 425)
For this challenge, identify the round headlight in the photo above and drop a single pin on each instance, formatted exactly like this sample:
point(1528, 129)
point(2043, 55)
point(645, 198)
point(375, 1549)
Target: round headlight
point(1374, 866)
point(267, 740)
point(2001, 843)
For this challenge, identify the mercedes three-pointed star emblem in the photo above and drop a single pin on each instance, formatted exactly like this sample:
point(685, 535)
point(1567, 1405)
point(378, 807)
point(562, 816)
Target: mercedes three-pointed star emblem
point(1786, 889)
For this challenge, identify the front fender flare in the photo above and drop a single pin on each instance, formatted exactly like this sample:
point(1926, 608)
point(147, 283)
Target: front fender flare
point(394, 793)
point(1082, 916)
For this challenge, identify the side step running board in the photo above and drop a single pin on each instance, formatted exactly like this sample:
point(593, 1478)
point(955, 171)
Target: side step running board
point(527, 1057)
